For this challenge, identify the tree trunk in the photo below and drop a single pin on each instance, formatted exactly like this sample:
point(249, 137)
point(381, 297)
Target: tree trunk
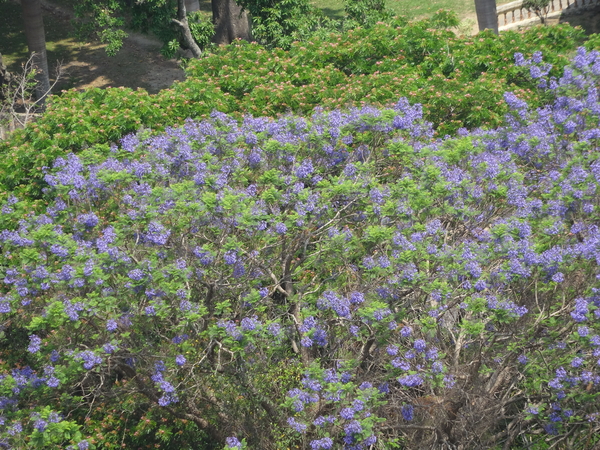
point(36, 42)
point(486, 15)
point(5, 78)
point(231, 22)
point(187, 34)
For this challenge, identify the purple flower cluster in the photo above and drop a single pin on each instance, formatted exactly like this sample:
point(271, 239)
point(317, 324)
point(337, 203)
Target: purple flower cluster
point(250, 323)
point(34, 343)
point(89, 220)
point(413, 380)
point(330, 300)
point(325, 443)
point(408, 412)
point(233, 442)
point(231, 329)
point(89, 359)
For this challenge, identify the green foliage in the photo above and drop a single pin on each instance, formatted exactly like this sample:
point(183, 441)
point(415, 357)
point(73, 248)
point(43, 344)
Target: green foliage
point(155, 17)
point(276, 23)
point(201, 27)
point(540, 7)
point(101, 20)
point(445, 19)
point(134, 423)
point(107, 19)
point(367, 13)
point(279, 23)
point(459, 82)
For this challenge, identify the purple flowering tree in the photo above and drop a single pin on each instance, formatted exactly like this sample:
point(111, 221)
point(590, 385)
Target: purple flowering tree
point(339, 281)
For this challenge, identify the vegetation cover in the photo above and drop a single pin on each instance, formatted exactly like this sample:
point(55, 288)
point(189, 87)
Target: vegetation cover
point(350, 278)
point(459, 82)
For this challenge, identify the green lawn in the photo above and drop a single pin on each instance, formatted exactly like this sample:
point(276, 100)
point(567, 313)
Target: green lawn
point(409, 8)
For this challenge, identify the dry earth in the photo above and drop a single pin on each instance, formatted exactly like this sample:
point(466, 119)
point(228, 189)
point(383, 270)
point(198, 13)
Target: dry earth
point(139, 63)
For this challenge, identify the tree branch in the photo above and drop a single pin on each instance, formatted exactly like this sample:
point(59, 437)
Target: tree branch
point(187, 33)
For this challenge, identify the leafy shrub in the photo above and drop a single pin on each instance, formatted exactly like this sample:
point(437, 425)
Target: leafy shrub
point(367, 13)
point(459, 82)
point(201, 27)
point(278, 23)
point(336, 281)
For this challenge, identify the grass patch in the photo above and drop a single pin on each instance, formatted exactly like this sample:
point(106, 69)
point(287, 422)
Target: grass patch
point(413, 9)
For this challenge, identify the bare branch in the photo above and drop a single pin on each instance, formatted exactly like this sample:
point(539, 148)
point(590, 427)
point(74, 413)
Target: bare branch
point(19, 105)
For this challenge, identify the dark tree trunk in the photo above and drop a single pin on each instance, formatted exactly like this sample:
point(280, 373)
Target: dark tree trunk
point(36, 42)
point(486, 15)
point(230, 22)
point(5, 78)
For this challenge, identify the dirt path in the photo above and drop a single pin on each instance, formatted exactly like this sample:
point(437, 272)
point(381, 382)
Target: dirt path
point(139, 63)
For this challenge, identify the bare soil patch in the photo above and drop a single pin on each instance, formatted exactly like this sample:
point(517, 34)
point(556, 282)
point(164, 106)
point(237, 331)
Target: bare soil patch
point(139, 64)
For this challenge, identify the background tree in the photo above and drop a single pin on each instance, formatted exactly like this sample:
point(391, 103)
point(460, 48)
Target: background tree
point(274, 23)
point(231, 22)
point(36, 43)
point(539, 7)
point(182, 21)
point(278, 23)
point(107, 20)
point(486, 15)
point(367, 12)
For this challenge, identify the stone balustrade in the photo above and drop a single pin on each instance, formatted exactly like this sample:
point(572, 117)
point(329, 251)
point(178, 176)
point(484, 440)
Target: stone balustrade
point(513, 14)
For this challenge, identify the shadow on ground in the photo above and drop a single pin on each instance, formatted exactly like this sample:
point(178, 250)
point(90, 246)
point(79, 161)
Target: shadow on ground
point(139, 64)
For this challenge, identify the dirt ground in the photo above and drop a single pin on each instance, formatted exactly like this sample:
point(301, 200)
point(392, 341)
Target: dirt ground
point(139, 63)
